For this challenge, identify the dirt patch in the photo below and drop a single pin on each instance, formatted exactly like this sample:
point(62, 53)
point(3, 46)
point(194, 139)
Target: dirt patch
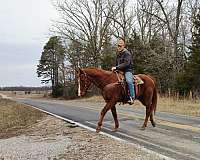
point(14, 118)
point(55, 139)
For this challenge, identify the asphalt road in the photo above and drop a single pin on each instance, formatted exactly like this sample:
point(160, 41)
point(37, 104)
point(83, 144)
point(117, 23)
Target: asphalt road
point(175, 136)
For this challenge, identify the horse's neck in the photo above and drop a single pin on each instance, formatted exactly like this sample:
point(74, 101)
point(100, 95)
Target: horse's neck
point(101, 79)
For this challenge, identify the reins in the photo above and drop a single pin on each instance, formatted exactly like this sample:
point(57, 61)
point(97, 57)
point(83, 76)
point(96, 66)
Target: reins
point(120, 81)
point(90, 79)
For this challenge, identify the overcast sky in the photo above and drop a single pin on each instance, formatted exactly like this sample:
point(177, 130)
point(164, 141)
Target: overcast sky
point(24, 30)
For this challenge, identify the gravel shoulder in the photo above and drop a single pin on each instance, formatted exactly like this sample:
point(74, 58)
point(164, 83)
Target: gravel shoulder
point(55, 139)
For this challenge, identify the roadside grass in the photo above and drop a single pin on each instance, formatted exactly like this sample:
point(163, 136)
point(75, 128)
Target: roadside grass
point(185, 107)
point(15, 117)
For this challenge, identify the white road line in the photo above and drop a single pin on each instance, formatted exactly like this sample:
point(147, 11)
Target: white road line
point(135, 145)
point(106, 134)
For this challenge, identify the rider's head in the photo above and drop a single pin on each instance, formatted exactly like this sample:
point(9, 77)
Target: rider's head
point(120, 45)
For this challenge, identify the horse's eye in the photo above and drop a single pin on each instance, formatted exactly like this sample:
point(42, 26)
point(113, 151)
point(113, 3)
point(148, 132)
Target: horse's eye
point(82, 77)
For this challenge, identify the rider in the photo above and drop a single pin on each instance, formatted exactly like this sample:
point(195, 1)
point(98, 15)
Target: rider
point(124, 63)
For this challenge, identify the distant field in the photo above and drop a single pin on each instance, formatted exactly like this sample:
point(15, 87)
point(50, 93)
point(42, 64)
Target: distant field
point(15, 117)
point(26, 94)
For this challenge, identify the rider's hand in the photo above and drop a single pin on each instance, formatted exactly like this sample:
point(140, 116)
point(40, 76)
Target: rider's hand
point(113, 68)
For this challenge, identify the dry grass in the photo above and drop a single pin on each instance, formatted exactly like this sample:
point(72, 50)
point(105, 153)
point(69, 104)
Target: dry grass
point(186, 107)
point(22, 94)
point(94, 99)
point(15, 117)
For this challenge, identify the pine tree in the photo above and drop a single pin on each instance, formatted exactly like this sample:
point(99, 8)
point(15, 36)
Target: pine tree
point(138, 51)
point(50, 61)
point(108, 54)
point(190, 78)
point(194, 59)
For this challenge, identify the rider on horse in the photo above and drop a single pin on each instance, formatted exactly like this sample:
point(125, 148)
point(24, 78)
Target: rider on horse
point(124, 63)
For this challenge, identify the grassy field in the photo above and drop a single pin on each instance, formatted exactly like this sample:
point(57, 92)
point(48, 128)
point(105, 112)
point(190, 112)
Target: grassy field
point(24, 94)
point(186, 107)
point(15, 117)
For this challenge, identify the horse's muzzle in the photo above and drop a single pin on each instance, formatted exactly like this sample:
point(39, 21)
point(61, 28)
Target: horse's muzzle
point(82, 94)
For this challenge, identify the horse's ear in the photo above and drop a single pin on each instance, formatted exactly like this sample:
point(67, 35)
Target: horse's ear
point(77, 70)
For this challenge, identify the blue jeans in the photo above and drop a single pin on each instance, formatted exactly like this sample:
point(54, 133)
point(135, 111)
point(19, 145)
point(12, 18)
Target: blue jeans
point(129, 80)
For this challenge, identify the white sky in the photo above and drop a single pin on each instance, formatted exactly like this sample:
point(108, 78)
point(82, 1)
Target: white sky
point(24, 30)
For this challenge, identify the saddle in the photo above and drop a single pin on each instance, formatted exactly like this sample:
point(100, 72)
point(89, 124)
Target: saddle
point(137, 82)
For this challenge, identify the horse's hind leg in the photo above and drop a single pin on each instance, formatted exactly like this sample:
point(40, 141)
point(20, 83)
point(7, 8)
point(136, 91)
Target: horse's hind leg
point(146, 117)
point(114, 113)
point(152, 121)
point(149, 112)
point(108, 106)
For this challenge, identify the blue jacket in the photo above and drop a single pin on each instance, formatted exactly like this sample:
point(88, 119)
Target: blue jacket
point(124, 61)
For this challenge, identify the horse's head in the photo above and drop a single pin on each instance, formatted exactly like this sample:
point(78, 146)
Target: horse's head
point(83, 82)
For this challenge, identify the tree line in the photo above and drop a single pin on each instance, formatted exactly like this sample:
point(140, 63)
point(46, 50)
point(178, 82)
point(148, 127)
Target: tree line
point(162, 36)
point(21, 88)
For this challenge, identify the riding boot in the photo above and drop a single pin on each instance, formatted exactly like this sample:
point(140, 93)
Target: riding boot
point(131, 101)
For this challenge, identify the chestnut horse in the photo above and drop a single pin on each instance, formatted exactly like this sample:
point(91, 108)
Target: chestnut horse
point(113, 92)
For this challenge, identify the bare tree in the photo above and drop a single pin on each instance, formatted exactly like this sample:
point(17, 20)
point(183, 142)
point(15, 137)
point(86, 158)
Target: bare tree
point(191, 12)
point(122, 20)
point(173, 26)
point(87, 21)
point(148, 19)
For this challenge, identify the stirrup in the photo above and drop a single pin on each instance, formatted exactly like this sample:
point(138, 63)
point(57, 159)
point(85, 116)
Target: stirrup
point(131, 101)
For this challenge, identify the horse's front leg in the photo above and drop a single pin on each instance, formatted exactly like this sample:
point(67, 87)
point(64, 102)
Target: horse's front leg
point(114, 113)
point(108, 106)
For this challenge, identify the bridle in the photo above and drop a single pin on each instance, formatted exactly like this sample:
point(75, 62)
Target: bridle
point(85, 83)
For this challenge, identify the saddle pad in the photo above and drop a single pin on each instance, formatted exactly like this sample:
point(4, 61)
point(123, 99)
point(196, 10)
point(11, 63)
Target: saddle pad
point(138, 80)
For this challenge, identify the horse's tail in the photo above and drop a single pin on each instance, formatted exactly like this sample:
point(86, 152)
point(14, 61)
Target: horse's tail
point(154, 99)
point(155, 96)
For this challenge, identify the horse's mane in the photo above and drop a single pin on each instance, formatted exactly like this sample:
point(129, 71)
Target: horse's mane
point(98, 70)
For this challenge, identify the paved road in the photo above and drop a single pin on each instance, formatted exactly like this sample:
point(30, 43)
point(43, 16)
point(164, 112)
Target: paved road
point(176, 136)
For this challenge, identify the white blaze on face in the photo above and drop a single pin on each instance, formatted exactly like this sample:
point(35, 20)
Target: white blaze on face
point(79, 87)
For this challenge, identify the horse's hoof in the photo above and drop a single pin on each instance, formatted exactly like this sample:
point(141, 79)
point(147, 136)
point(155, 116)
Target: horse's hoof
point(153, 124)
point(98, 129)
point(142, 128)
point(114, 129)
